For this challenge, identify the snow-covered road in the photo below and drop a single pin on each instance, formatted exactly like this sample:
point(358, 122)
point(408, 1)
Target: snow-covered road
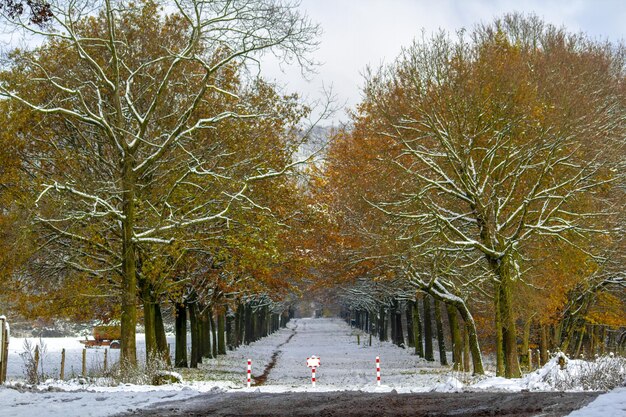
point(345, 365)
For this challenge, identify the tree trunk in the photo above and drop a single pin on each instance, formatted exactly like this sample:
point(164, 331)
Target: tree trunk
point(128, 348)
point(558, 330)
point(213, 331)
point(180, 356)
point(440, 336)
point(148, 321)
point(466, 351)
point(221, 341)
point(455, 334)
point(382, 334)
point(602, 339)
point(396, 324)
point(417, 329)
point(592, 333)
point(231, 334)
point(239, 325)
point(205, 335)
point(509, 331)
point(195, 335)
point(248, 337)
point(265, 323)
point(409, 324)
point(543, 344)
point(500, 368)
point(161, 340)
point(526, 342)
point(581, 333)
point(428, 330)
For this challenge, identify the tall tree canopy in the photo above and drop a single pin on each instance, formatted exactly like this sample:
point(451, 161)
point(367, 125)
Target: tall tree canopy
point(492, 145)
point(144, 123)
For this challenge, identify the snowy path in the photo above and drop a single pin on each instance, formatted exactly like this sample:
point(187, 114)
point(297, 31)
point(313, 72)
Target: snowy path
point(346, 364)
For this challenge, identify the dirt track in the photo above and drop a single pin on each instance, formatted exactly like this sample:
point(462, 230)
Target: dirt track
point(357, 403)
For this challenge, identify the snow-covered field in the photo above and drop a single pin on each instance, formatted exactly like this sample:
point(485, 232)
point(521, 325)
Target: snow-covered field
point(51, 348)
point(345, 365)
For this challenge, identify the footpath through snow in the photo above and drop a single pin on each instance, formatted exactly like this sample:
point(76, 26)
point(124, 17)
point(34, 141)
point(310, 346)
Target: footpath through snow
point(345, 365)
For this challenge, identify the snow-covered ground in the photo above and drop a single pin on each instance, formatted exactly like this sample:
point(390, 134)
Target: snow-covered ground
point(611, 404)
point(51, 348)
point(345, 365)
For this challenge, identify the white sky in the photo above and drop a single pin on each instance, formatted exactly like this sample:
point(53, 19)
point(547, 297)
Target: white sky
point(358, 33)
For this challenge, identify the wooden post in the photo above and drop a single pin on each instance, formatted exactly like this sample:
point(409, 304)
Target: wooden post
point(4, 349)
point(84, 362)
point(37, 363)
point(106, 352)
point(62, 373)
point(530, 360)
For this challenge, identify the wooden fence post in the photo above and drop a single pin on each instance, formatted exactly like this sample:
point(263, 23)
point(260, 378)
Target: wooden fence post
point(4, 348)
point(84, 373)
point(62, 376)
point(105, 360)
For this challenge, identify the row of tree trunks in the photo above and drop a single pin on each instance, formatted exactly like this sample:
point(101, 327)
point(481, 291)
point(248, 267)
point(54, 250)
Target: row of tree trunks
point(584, 339)
point(157, 347)
point(420, 330)
point(214, 329)
point(440, 293)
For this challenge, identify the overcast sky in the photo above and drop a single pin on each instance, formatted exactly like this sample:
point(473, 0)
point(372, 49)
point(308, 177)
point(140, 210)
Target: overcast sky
point(357, 33)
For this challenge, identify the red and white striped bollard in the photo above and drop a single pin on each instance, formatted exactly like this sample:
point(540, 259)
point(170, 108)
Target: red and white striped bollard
point(378, 370)
point(313, 362)
point(249, 371)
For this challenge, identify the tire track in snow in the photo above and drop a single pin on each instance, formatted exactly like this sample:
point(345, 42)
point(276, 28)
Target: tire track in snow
point(261, 379)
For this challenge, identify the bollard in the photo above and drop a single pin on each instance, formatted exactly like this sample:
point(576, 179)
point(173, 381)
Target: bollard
point(313, 362)
point(378, 370)
point(105, 365)
point(249, 371)
point(62, 374)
